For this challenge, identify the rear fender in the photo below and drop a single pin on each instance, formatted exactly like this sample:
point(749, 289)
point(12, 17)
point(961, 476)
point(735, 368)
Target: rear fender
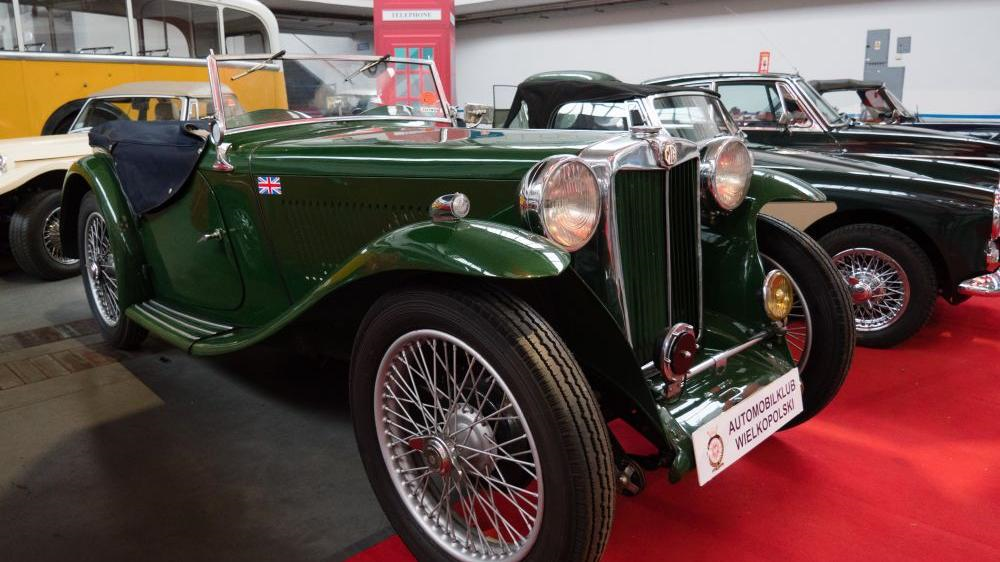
point(95, 173)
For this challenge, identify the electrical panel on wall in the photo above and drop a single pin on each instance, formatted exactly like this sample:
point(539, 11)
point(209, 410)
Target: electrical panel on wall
point(877, 67)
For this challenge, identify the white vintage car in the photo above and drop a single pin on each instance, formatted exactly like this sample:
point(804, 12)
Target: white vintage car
point(32, 168)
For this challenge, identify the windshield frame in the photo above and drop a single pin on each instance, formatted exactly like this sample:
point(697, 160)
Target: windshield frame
point(818, 103)
point(713, 99)
point(894, 102)
point(217, 90)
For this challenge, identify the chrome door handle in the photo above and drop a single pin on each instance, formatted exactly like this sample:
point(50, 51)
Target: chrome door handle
point(214, 235)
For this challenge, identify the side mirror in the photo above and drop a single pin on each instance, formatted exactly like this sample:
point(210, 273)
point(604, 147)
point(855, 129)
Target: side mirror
point(478, 115)
point(215, 132)
point(785, 120)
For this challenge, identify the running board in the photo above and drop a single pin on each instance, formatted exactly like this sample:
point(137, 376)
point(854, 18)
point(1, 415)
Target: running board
point(177, 327)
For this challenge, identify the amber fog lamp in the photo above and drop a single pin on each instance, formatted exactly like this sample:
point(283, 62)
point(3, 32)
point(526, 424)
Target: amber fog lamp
point(680, 344)
point(778, 296)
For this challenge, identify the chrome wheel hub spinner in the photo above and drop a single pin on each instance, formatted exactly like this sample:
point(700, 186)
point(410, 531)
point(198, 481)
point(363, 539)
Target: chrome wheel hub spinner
point(435, 452)
point(865, 288)
point(879, 287)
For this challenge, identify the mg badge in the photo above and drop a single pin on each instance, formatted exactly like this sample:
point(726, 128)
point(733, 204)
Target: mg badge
point(670, 154)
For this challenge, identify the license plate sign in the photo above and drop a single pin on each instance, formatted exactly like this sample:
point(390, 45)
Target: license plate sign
point(730, 435)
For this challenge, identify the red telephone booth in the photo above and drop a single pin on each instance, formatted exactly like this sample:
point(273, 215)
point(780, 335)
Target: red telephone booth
point(417, 29)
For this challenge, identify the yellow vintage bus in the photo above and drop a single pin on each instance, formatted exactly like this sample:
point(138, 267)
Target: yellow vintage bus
point(55, 53)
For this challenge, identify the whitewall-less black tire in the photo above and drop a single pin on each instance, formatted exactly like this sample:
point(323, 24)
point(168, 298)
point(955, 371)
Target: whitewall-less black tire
point(100, 279)
point(34, 238)
point(821, 328)
point(892, 281)
point(467, 403)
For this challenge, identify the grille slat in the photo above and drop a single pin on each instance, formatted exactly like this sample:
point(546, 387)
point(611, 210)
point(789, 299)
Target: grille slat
point(640, 202)
point(658, 236)
point(684, 243)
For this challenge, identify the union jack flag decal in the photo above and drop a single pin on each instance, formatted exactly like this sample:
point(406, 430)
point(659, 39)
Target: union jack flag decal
point(269, 185)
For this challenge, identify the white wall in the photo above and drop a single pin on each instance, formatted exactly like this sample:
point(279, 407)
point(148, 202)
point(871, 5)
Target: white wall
point(954, 66)
point(325, 44)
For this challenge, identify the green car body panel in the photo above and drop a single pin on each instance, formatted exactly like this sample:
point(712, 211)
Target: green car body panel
point(938, 189)
point(354, 212)
point(937, 154)
point(950, 220)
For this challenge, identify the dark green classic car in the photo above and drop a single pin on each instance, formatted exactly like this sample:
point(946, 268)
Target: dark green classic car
point(917, 213)
point(820, 334)
point(501, 295)
point(784, 110)
point(877, 104)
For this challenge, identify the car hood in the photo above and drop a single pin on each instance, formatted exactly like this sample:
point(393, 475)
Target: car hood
point(44, 148)
point(827, 171)
point(791, 160)
point(911, 141)
point(438, 152)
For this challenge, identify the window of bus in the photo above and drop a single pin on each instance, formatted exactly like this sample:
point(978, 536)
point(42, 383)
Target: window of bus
point(245, 33)
point(95, 27)
point(175, 29)
point(8, 39)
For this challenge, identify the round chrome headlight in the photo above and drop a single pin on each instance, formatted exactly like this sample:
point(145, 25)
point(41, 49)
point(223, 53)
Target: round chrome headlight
point(561, 198)
point(726, 172)
point(4, 163)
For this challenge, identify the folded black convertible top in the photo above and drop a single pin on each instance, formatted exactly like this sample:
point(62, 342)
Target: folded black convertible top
point(153, 159)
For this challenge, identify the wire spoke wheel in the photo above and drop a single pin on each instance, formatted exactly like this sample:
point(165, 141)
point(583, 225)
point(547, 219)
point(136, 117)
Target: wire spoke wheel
point(458, 448)
point(799, 325)
point(51, 240)
point(879, 287)
point(100, 269)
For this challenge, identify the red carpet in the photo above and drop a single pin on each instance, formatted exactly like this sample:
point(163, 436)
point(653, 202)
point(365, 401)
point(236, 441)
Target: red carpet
point(904, 465)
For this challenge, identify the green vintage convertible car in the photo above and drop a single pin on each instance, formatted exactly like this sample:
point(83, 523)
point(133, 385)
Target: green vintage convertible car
point(820, 334)
point(501, 295)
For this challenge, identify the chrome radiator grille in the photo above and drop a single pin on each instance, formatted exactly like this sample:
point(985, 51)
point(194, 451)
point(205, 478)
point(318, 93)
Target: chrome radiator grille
point(684, 244)
point(658, 224)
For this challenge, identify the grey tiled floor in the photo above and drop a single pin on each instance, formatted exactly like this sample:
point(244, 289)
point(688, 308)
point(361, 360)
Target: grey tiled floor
point(155, 455)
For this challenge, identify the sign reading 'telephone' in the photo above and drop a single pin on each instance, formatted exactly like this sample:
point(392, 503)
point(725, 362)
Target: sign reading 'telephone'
point(411, 15)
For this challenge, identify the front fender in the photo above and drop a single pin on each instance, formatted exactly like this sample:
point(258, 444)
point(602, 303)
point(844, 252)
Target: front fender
point(95, 173)
point(783, 196)
point(465, 247)
point(25, 172)
point(470, 248)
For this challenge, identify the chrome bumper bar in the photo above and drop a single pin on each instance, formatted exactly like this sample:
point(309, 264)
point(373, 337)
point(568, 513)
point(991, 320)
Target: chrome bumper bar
point(715, 362)
point(983, 286)
point(719, 360)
